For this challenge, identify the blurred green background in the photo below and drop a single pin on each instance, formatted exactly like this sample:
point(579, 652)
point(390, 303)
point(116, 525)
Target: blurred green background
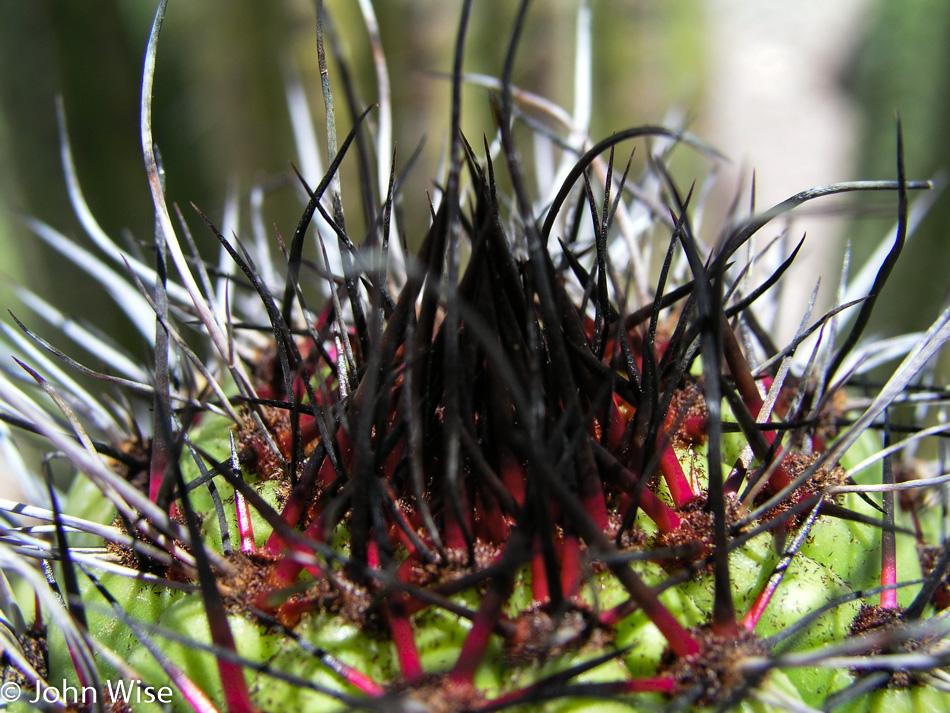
point(221, 119)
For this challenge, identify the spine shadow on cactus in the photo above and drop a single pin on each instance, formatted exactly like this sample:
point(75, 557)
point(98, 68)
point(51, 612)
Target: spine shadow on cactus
point(492, 479)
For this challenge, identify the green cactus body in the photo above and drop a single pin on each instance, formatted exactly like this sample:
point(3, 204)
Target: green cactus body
point(837, 558)
point(495, 479)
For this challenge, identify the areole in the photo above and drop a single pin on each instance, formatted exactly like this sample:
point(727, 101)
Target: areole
point(488, 476)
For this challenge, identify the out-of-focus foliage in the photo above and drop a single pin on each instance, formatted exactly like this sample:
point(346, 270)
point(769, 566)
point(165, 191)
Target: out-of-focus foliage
point(902, 67)
point(220, 113)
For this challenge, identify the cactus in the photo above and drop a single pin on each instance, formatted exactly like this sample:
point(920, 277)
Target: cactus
point(520, 469)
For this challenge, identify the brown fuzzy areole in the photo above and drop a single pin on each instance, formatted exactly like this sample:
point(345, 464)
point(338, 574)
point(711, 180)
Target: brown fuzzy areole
point(496, 477)
point(883, 620)
point(717, 671)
